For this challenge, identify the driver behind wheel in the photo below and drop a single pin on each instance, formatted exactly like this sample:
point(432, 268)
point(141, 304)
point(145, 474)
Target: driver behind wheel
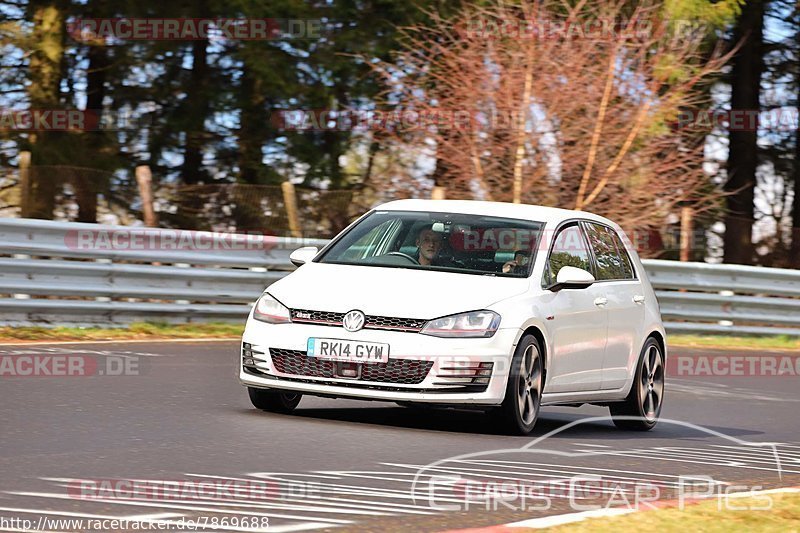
point(429, 244)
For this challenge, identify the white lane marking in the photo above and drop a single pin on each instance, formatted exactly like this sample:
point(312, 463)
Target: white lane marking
point(322, 500)
point(368, 490)
point(170, 505)
point(140, 518)
point(384, 500)
point(548, 478)
point(650, 454)
point(590, 445)
point(731, 459)
point(738, 393)
point(66, 351)
point(121, 341)
point(555, 468)
point(780, 448)
point(727, 456)
point(561, 519)
point(783, 490)
point(738, 460)
point(334, 505)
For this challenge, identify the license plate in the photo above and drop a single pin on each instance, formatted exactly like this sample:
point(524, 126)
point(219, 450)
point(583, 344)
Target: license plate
point(348, 351)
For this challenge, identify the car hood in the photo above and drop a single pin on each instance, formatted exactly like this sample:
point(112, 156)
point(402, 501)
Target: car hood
point(397, 292)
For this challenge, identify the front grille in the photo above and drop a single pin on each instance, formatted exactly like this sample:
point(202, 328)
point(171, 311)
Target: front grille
point(317, 317)
point(401, 371)
point(295, 362)
point(406, 371)
point(388, 322)
point(306, 316)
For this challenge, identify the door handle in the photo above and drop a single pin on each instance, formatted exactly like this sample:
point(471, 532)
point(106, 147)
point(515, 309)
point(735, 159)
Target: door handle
point(600, 301)
point(638, 299)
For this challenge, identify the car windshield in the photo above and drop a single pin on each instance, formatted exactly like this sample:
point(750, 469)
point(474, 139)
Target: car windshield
point(452, 242)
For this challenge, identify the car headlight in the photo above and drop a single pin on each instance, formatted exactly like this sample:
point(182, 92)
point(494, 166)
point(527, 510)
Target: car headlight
point(268, 309)
point(473, 324)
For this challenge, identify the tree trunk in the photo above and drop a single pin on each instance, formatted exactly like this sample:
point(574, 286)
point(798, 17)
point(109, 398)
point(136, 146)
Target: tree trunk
point(88, 187)
point(743, 147)
point(442, 169)
point(252, 131)
point(45, 73)
point(794, 252)
point(195, 107)
point(252, 136)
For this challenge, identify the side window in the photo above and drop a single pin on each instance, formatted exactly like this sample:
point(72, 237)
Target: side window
point(627, 264)
point(375, 242)
point(612, 259)
point(569, 249)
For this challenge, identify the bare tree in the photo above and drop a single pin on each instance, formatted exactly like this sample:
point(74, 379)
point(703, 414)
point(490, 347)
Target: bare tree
point(557, 103)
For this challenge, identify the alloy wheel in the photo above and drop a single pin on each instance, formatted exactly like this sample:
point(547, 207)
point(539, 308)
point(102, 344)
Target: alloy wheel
point(651, 383)
point(529, 384)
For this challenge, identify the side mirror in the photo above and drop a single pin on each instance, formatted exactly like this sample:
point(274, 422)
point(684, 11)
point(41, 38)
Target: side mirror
point(303, 255)
point(572, 278)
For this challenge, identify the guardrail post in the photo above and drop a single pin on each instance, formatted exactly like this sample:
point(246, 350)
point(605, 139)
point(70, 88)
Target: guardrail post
point(144, 179)
point(438, 193)
point(25, 183)
point(686, 233)
point(290, 202)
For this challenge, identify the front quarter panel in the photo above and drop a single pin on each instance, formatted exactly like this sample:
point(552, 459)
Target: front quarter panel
point(522, 313)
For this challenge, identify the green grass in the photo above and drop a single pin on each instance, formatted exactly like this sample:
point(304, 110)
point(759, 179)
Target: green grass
point(157, 330)
point(137, 330)
point(784, 516)
point(778, 342)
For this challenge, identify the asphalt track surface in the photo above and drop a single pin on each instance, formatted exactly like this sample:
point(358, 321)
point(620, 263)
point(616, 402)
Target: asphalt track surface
point(183, 418)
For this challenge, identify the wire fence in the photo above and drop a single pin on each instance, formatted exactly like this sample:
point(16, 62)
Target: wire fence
point(76, 194)
point(83, 195)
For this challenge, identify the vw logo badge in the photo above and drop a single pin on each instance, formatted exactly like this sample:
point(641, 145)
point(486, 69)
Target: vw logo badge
point(353, 320)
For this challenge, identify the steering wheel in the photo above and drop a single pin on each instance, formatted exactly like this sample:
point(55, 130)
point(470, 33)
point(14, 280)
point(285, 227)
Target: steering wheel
point(405, 256)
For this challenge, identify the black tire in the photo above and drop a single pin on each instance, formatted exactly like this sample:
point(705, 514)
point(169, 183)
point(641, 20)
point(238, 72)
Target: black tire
point(520, 410)
point(642, 407)
point(274, 401)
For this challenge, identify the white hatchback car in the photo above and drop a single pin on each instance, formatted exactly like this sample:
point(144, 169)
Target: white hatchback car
point(503, 307)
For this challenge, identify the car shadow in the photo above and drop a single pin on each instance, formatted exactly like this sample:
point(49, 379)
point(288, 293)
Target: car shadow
point(448, 420)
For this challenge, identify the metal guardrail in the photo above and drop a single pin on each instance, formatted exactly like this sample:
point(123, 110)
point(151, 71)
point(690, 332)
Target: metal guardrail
point(726, 299)
point(72, 273)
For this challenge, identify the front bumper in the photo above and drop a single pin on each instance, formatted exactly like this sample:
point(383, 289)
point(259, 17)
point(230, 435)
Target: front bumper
point(451, 363)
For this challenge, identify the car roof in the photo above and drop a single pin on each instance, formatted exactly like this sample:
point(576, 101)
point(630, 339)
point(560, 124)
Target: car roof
point(538, 213)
